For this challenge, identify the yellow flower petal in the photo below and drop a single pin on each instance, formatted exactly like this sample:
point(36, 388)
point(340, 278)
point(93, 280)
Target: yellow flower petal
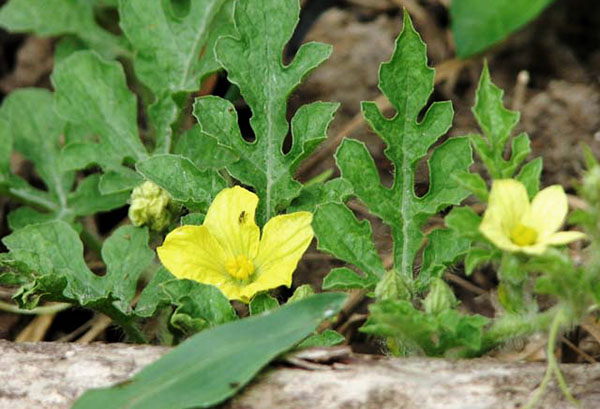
point(507, 204)
point(192, 252)
point(548, 211)
point(285, 238)
point(533, 250)
point(230, 219)
point(564, 237)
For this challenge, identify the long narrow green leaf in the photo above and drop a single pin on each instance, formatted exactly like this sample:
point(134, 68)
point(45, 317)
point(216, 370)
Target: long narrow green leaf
point(211, 366)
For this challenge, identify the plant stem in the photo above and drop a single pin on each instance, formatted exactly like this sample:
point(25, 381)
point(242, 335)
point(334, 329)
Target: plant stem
point(513, 326)
point(133, 332)
point(49, 309)
point(560, 319)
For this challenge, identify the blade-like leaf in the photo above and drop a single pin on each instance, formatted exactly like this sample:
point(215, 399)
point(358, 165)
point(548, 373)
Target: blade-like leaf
point(213, 365)
point(477, 25)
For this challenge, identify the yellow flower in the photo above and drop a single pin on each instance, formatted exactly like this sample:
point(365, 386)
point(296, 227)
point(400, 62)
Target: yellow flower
point(228, 252)
point(514, 224)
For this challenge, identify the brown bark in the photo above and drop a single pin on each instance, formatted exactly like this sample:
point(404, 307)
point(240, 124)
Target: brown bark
point(52, 375)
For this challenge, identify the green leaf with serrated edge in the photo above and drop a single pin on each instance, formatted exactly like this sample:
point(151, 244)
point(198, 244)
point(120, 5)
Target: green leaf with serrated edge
point(300, 293)
point(477, 25)
point(342, 278)
point(252, 59)
point(474, 183)
point(464, 221)
point(36, 131)
point(126, 255)
point(87, 198)
point(185, 183)
point(478, 256)
point(173, 52)
point(93, 93)
point(309, 129)
point(153, 295)
point(336, 190)
point(61, 254)
point(199, 305)
point(54, 252)
point(407, 82)
point(444, 248)
point(340, 233)
point(262, 302)
point(198, 372)
point(59, 17)
point(204, 150)
point(449, 333)
point(520, 149)
point(530, 175)
point(327, 338)
point(497, 124)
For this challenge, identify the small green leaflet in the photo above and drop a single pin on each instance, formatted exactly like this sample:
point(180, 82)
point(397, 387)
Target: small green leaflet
point(407, 82)
point(59, 17)
point(497, 124)
point(448, 333)
point(252, 59)
point(213, 365)
point(262, 302)
point(34, 129)
point(341, 234)
point(477, 24)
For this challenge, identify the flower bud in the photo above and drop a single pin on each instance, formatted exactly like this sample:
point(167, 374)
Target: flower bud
point(590, 186)
point(391, 287)
point(440, 297)
point(152, 206)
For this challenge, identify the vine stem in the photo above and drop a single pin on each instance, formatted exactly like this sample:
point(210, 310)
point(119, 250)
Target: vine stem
point(49, 309)
point(552, 368)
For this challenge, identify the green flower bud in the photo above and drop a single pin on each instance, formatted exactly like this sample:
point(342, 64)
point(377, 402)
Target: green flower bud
point(152, 206)
point(590, 186)
point(440, 297)
point(305, 290)
point(391, 287)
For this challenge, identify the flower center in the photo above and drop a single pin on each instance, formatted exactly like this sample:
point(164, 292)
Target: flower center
point(523, 235)
point(239, 267)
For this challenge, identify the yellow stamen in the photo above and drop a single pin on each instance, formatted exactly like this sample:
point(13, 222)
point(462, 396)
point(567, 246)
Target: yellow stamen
point(523, 235)
point(240, 267)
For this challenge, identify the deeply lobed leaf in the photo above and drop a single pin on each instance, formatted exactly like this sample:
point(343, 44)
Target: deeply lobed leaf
point(252, 59)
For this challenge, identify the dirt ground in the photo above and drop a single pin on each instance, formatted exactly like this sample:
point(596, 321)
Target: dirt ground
point(550, 71)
